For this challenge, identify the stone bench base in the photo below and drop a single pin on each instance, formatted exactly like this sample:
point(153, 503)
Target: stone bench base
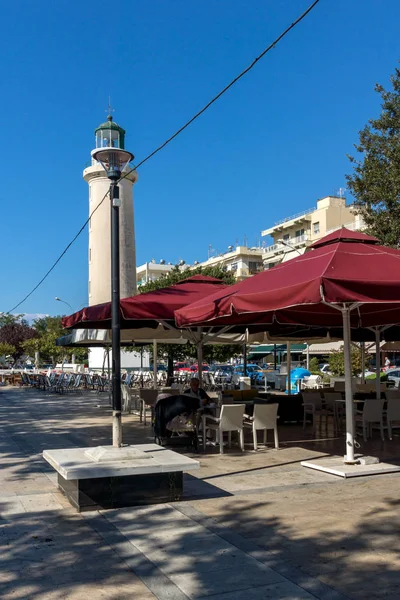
point(118, 492)
point(106, 477)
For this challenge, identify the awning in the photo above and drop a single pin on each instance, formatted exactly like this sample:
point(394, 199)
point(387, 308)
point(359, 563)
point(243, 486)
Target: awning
point(324, 348)
point(264, 349)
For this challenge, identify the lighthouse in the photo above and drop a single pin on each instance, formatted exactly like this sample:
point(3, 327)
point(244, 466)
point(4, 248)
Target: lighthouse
point(110, 135)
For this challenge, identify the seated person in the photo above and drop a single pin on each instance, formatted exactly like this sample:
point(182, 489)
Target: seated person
point(197, 392)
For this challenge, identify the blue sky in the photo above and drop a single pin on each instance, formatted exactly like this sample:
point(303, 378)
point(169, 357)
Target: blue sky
point(269, 148)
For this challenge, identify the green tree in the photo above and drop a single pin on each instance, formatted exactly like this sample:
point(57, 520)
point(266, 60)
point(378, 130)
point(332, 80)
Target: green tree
point(6, 349)
point(336, 362)
point(314, 366)
point(7, 319)
point(375, 182)
point(48, 329)
point(16, 334)
point(177, 274)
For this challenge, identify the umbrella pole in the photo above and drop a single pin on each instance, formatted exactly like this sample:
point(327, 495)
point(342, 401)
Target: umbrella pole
point(349, 456)
point(155, 363)
point(378, 363)
point(200, 359)
point(289, 367)
point(362, 362)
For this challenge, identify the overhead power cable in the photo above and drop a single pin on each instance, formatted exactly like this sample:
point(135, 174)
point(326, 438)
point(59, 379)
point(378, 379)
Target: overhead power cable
point(169, 140)
point(60, 256)
point(226, 88)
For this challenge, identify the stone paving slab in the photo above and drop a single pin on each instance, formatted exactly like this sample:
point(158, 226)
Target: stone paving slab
point(199, 562)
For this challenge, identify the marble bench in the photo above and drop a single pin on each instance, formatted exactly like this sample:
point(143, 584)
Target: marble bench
point(106, 477)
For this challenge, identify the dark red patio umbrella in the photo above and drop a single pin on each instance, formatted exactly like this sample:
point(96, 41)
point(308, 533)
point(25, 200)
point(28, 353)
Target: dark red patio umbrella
point(344, 268)
point(148, 309)
point(151, 313)
point(344, 280)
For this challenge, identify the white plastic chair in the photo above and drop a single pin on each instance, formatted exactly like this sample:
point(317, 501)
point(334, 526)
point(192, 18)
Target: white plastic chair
point(148, 398)
point(372, 413)
point(230, 419)
point(311, 382)
point(265, 416)
point(334, 409)
point(312, 405)
point(392, 414)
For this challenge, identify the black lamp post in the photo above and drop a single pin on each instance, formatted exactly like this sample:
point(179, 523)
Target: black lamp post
point(113, 160)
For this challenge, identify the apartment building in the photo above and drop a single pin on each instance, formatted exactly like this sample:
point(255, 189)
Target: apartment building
point(292, 235)
point(150, 271)
point(240, 260)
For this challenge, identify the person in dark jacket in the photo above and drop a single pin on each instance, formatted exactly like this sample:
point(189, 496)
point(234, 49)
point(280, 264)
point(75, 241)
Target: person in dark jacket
point(195, 391)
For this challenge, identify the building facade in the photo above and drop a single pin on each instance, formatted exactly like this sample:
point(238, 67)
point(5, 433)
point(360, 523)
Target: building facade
point(292, 235)
point(109, 134)
point(240, 260)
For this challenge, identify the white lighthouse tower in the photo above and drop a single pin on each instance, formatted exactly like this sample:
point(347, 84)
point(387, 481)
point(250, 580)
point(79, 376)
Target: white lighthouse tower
point(109, 134)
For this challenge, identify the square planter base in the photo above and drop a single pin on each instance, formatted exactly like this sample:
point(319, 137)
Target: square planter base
point(119, 492)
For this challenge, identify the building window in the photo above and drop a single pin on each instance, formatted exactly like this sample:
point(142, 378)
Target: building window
point(234, 266)
point(270, 265)
point(286, 237)
point(254, 267)
point(299, 233)
point(316, 227)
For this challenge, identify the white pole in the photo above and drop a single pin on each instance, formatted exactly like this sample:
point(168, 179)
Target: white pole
point(378, 363)
point(349, 456)
point(289, 367)
point(200, 357)
point(155, 363)
point(308, 356)
point(362, 362)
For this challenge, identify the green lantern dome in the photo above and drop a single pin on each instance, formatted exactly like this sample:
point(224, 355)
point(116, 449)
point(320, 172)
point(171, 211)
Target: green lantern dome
point(109, 134)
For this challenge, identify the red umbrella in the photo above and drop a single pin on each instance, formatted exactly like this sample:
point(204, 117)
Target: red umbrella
point(148, 309)
point(344, 280)
point(152, 310)
point(344, 268)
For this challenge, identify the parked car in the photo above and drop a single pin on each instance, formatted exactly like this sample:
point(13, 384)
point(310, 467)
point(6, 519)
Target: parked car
point(223, 373)
point(195, 368)
point(324, 368)
point(252, 371)
point(181, 366)
point(394, 375)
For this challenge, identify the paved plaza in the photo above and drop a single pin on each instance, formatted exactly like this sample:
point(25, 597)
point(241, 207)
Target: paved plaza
point(253, 526)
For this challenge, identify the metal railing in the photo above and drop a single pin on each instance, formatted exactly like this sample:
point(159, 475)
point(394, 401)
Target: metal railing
point(304, 213)
point(300, 239)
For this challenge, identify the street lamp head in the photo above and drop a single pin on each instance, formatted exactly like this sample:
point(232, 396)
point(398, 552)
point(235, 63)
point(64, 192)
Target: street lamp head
point(113, 160)
point(57, 298)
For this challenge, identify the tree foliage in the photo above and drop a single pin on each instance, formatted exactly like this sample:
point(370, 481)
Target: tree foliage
point(7, 319)
point(177, 274)
point(48, 329)
point(15, 334)
point(336, 362)
point(314, 366)
point(375, 182)
point(7, 349)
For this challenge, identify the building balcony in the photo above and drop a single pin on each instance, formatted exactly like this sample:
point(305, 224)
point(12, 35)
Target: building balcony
point(275, 249)
point(289, 222)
